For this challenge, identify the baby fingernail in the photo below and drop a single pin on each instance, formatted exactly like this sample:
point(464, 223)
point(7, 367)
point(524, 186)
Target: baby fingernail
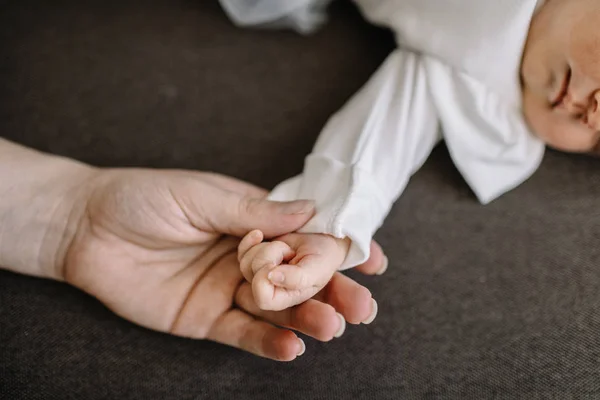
point(276, 277)
point(302, 347)
point(342, 328)
point(298, 207)
point(384, 266)
point(374, 309)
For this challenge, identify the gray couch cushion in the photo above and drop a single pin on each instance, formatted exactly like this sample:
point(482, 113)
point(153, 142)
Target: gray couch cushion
point(500, 301)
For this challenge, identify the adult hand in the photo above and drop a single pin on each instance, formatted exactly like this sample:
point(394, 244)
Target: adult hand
point(152, 246)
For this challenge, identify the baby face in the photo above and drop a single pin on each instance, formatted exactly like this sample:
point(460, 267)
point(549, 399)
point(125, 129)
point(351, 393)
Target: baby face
point(560, 74)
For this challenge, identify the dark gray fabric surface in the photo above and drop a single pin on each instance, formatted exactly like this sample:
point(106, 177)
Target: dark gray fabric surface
point(500, 301)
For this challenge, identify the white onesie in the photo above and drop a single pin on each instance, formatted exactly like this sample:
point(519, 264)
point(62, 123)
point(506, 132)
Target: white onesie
point(454, 76)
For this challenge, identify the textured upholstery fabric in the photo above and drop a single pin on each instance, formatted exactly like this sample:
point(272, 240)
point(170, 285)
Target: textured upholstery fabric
point(479, 302)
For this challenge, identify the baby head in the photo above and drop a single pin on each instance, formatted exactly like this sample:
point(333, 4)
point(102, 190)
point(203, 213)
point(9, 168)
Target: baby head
point(560, 74)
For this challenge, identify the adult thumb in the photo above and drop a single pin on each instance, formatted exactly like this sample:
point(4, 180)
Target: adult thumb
point(237, 214)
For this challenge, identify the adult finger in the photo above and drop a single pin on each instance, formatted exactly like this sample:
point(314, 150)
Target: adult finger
point(313, 318)
point(210, 295)
point(349, 298)
point(238, 329)
point(377, 263)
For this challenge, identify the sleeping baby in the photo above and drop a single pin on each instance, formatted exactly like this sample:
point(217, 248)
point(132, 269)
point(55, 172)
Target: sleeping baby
point(496, 80)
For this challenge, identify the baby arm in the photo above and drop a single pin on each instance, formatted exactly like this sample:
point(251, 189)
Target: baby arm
point(361, 163)
point(290, 269)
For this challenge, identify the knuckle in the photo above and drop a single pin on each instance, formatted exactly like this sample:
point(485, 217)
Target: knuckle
point(265, 301)
point(280, 245)
point(303, 280)
point(246, 207)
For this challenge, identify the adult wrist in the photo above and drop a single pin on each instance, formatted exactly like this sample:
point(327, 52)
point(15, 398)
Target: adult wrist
point(42, 202)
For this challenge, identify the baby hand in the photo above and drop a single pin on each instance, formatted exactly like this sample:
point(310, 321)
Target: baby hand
point(291, 269)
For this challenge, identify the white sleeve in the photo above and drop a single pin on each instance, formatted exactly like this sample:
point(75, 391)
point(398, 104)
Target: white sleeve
point(303, 16)
point(366, 154)
point(487, 136)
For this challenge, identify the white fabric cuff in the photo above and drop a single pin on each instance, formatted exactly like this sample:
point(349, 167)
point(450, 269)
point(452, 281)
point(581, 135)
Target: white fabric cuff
point(356, 215)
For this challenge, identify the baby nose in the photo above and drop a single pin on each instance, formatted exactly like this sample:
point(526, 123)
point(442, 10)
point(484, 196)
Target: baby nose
point(593, 113)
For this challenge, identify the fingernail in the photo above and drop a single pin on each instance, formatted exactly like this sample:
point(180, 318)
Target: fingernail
point(302, 347)
point(340, 331)
point(298, 207)
point(256, 233)
point(374, 309)
point(384, 266)
point(276, 277)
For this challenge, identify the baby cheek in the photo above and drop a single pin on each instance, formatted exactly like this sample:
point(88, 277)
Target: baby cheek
point(565, 134)
point(570, 137)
